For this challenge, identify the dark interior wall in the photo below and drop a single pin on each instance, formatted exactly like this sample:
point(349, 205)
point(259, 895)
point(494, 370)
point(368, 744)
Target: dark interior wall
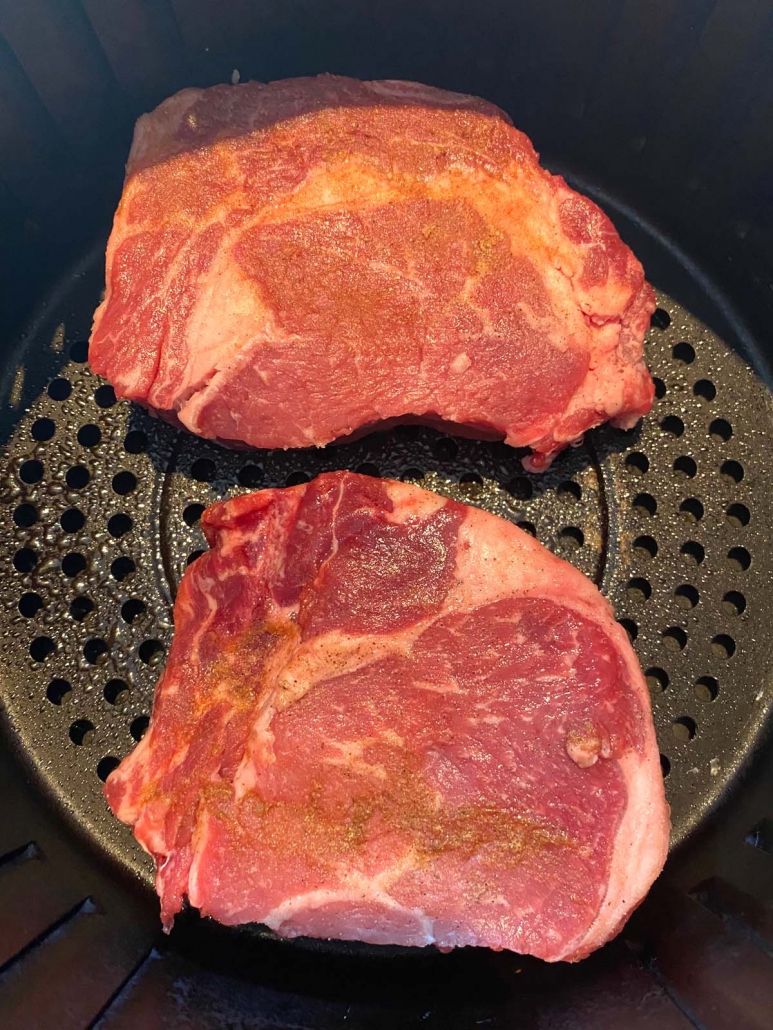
point(667, 104)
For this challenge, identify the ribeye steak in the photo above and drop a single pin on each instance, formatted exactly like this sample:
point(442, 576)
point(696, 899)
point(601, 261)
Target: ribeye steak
point(295, 262)
point(390, 717)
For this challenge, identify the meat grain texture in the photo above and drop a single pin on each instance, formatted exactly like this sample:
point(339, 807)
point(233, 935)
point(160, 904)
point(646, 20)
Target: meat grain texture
point(390, 717)
point(296, 262)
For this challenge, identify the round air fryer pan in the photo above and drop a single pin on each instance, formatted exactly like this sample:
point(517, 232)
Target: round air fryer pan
point(102, 507)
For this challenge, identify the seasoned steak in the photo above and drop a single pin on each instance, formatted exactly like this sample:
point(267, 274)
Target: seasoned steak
point(296, 262)
point(390, 717)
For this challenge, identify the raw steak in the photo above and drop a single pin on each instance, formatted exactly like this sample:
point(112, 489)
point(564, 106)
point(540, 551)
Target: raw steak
point(390, 717)
point(295, 262)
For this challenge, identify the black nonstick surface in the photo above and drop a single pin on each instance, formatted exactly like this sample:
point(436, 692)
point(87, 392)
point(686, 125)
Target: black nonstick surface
point(102, 502)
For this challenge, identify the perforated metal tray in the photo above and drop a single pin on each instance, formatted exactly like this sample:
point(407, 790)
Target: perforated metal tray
point(102, 504)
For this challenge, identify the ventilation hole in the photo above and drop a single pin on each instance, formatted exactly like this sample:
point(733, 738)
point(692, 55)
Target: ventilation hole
point(660, 388)
point(569, 490)
point(25, 515)
point(30, 604)
point(637, 460)
point(151, 652)
point(135, 442)
point(660, 319)
point(657, 679)
point(693, 552)
point(89, 435)
point(59, 389)
point(639, 590)
point(733, 603)
point(119, 525)
point(106, 765)
point(79, 352)
point(203, 470)
point(56, 691)
point(249, 476)
point(720, 430)
point(445, 449)
point(674, 638)
point(124, 482)
point(139, 726)
point(645, 504)
point(31, 471)
point(116, 691)
point(94, 651)
point(692, 509)
point(471, 477)
point(81, 607)
point(732, 470)
point(367, 468)
point(572, 538)
point(528, 527)
point(81, 732)
point(41, 648)
point(521, 488)
point(686, 596)
point(673, 425)
point(684, 352)
point(192, 514)
point(665, 766)
point(73, 564)
point(706, 689)
point(723, 646)
point(122, 568)
point(77, 477)
point(739, 559)
point(630, 628)
point(705, 388)
point(684, 729)
point(645, 547)
point(738, 515)
point(25, 560)
point(686, 466)
point(43, 429)
point(105, 396)
point(193, 556)
point(296, 478)
point(132, 609)
point(72, 520)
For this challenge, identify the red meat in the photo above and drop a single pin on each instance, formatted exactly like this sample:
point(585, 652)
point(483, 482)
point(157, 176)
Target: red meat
point(390, 717)
point(295, 262)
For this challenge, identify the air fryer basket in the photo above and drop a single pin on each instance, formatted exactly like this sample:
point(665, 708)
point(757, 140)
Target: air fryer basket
point(657, 112)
